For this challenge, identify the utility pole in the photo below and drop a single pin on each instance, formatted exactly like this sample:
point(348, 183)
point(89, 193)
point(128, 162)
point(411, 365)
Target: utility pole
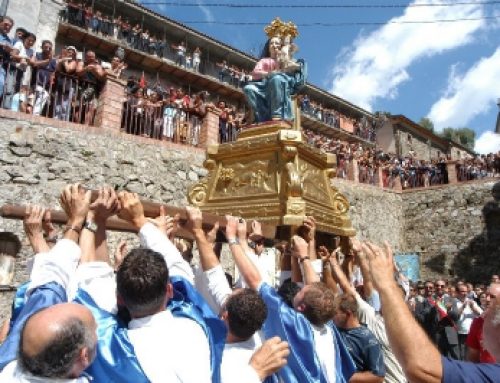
point(3, 7)
point(497, 129)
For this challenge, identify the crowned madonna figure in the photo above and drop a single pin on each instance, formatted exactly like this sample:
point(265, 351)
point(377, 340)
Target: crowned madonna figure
point(277, 76)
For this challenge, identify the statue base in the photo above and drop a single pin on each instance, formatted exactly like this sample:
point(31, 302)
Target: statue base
point(272, 175)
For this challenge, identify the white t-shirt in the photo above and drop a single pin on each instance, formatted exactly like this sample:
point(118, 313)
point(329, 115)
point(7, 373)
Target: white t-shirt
point(465, 320)
point(235, 365)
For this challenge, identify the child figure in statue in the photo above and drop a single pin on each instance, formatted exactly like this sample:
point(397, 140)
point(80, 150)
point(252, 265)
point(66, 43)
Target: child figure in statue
point(285, 57)
point(269, 93)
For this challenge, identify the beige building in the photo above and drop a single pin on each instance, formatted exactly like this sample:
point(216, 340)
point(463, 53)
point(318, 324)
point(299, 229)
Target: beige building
point(401, 136)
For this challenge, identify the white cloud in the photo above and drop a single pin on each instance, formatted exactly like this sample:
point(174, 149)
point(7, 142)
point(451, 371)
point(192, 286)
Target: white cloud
point(469, 95)
point(488, 142)
point(209, 17)
point(377, 64)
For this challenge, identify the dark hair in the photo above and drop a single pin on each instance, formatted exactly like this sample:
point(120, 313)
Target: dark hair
point(288, 290)
point(21, 29)
point(57, 358)
point(265, 51)
point(246, 312)
point(318, 301)
point(47, 42)
point(3, 18)
point(141, 281)
point(346, 303)
point(29, 34)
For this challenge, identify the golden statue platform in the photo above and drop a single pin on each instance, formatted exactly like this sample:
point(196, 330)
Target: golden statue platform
point(271, 174)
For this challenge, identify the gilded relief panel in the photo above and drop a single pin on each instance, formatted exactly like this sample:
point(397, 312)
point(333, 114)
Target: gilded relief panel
point(246, 178)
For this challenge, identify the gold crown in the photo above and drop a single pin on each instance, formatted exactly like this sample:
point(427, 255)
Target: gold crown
point(278, 28)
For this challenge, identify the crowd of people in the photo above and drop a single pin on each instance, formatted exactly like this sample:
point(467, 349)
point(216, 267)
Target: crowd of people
point(64, 86)
point(334, 315)
point(361, 128)
point(452, 316)
point(409, 171)
point(137, 36)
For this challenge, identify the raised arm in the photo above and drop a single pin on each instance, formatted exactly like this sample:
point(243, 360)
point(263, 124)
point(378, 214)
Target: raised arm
point(33, 228)
point(208, 259)
point(419, 358)
point(300, 250)
point(248, 270)
point(339, 275)
point(151, 237)
point(365, 269)
point(328, 279)
point(59, 264)
point(93, 238)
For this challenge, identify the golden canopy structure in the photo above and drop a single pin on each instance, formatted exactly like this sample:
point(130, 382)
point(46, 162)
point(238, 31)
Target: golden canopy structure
point(272, 175)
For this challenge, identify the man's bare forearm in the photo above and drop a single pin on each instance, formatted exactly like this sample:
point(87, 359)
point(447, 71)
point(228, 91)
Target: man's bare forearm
point(419, 358)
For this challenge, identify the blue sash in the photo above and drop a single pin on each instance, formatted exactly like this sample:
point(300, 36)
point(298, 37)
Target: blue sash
point(188, 303)
point(40, 298)
point(18, 302)
point(303, 364)
point(116, 361)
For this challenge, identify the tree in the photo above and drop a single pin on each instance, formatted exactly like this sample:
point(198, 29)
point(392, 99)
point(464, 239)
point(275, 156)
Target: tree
point(463, 136)
point(426, 123)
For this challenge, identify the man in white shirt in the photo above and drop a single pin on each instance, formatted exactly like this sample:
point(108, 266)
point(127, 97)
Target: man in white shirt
point(166, 347)
point(243, 312)
point(254, 249)
point(51, 339)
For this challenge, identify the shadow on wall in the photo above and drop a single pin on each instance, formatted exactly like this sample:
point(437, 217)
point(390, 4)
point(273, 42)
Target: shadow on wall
point(481, 258)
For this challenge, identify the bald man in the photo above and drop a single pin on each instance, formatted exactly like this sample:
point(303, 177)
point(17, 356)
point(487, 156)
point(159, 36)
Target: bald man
point(58, 342)
point(420, 359)
point(50, 338)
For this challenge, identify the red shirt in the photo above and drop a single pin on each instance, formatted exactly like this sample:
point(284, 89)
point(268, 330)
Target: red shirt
point(475, 340)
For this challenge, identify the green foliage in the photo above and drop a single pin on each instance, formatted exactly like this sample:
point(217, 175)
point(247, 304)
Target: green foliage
point(427, 124)
point(463, 136)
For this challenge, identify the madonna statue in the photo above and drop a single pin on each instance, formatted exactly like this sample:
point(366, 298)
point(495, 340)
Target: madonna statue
point(269, 92)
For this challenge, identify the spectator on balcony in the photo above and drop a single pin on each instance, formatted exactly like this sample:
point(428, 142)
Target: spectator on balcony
point(169, 115)
point(45, 66)
point(87, 16)
point(95, 22)
point(196, 59)
point(197, 108)
point(19, 35)
point(223, 70)
point(152, 45)
point(221, 105)
point(23, 53)
point(106, 29)
point(189, 60)
point(19, 71)
point(180, 53)
point(6, 24)
point(144, 44)
point(160, 47)
point(117, 23)
point(135, 40)
point(125, 31)
point(117, 67)
point(65, 83)
point(92, 77)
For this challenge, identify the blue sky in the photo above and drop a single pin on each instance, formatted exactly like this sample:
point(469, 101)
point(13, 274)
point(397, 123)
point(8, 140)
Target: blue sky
point(449, 72)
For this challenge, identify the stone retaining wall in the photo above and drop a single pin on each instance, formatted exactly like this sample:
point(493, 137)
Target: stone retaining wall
point(455, 228)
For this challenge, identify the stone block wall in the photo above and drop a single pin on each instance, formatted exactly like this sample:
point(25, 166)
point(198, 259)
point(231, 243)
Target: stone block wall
point(456, 229)
point(36, 161)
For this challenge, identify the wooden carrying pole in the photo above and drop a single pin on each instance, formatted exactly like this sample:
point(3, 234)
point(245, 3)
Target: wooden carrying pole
point(151, 210)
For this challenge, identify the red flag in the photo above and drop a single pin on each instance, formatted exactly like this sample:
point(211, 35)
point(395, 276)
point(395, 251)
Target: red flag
point(142, 81)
